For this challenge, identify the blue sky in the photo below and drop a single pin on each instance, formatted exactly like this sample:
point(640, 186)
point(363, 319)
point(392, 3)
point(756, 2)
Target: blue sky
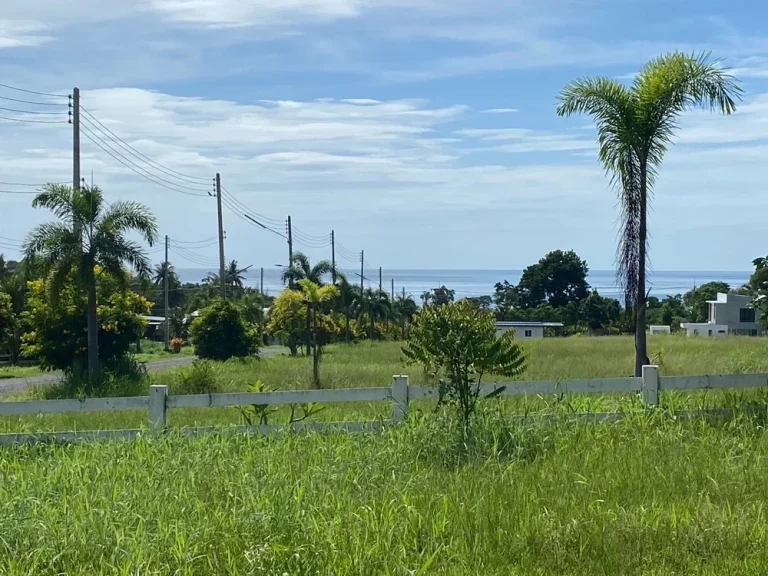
point(422, 131)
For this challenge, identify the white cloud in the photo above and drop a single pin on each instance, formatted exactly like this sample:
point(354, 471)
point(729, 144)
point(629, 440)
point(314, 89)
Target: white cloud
point(19, 33)
point(500, 111)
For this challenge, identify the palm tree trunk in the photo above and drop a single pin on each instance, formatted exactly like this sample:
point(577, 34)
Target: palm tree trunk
point(93, 327)
point(346, 317)
point(315, 356)
point(309, 330)
point(370, 337)
point(641, 347)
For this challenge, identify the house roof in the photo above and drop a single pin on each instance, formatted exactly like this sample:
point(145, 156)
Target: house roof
point(515, 324)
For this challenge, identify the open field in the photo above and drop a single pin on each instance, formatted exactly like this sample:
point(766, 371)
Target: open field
point(650, 495)
point(363, 365)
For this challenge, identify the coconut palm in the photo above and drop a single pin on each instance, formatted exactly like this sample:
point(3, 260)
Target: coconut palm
point(89, 234)
point(346, 300)
point(635, 124)
point(235, 276)
point(301, 269)
point(174, 284)
point(315, 296)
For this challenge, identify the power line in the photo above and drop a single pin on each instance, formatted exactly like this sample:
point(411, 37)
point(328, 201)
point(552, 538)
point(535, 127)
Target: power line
point(161, 167)
point(34, 121)
point(245, 208)
point(323, 238)
point(133, 166)
point(192, 257)
point(30, 102)
point(196, 247)
point(246, 217)
point(32, 111)
point(19, 191)
point(34, 92)
point(213, 239)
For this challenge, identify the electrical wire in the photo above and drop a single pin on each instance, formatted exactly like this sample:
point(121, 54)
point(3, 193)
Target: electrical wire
point(33, 92)
point(19, 191)
point(234, 209)
point(174, 241)
point(134, 167)
point(169, 171)
point(32, 111)
point(324, 238)
point(196, 258)
point(200, 247)
point(34, 121)
point(9, 99)
point(245, 208)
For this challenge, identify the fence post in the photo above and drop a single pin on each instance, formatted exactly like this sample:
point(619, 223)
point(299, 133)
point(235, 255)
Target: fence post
point(650, 385)
point(157, 407)
point(399, 398)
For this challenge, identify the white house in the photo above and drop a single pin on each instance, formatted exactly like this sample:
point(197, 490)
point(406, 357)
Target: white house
point(729, 314)
point(526, 330)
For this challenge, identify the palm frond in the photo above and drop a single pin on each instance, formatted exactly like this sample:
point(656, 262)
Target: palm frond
point(123, 216)
point(60, 200)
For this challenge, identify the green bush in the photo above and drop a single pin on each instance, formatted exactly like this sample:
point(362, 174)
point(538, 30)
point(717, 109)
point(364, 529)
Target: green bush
point(199, 379)
point(220, 333)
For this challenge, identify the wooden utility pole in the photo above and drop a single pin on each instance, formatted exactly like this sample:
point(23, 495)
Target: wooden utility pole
point(402, 316)
point(393, 289)
point(165, 282)
point(333, 255)
point(262, 281)
point(362, 272)
point(222, 278)
point(290, 252)
point(76, 138)
point(380, 283)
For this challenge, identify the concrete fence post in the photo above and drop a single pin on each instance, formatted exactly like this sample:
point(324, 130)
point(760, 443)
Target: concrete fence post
point(399, 398)
point(157, 407)
point(650, 385)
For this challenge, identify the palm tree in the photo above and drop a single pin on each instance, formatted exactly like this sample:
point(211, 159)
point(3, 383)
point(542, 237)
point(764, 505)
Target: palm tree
point(426, 298)
point(158, 279)
point(301, 269)
point(404, 308)
point(347, 297)
point(88, 235)
point(635, 125)
point(315, 296)
point(234, 276)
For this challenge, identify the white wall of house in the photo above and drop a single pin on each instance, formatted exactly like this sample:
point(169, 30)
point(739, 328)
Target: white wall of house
point(735, 312)
point(523, 332)
point(705, 329)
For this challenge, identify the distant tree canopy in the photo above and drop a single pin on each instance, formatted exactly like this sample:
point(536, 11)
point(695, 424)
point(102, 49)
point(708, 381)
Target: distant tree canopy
point(696, 300)
point(557, 279)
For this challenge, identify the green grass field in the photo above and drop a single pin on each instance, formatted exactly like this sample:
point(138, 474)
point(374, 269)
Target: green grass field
point(651, 495)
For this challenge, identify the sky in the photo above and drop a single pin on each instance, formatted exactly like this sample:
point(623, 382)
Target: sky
point(421, 131)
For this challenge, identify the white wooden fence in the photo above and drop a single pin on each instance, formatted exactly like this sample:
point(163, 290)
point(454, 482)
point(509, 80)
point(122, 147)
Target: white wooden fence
point(400, 394)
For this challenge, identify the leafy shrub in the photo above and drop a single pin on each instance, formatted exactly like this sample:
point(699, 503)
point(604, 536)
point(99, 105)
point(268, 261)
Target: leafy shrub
point(220, 333)
point(122, 377)
point(200, 378)
point(458, 342)
point(57, 335)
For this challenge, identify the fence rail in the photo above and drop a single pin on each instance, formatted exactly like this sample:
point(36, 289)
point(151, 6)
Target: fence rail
point(400, 394)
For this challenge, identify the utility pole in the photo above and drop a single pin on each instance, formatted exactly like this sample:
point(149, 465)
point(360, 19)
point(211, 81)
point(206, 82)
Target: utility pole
point(393, 289)
point(379, 278)
point(362, 272)
point(165, 282)
point(262, 281)
point(333, 255)
point(222, 279)
point(76, 138)
point(402, 316)
point(290, 252)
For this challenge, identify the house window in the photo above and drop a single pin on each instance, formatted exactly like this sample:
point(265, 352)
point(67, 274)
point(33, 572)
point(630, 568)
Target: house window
point(746, 315)
point(528, 333)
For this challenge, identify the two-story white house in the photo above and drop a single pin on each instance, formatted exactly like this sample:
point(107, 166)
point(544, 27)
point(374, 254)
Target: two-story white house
point(729, 314)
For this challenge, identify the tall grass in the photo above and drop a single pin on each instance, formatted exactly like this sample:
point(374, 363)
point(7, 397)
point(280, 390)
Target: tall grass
point(648, 496)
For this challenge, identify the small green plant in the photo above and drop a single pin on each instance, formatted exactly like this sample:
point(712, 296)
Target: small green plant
point(258, 414)
point(458, 342)
point(200, 378)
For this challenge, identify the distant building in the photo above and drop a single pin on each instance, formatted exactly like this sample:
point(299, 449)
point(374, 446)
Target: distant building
point(526, 330)
point(729, 314)
point(660, 329)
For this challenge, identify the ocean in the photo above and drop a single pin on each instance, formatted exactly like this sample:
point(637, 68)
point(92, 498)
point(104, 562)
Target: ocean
point(481, 282)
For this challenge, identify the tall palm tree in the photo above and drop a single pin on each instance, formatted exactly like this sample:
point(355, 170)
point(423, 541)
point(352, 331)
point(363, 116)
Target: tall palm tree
point(235, 276)
point(315, 296)
point(346, 299)
point(301, 269)
point(89, 234)
point(635, 124)
point(158, 279)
